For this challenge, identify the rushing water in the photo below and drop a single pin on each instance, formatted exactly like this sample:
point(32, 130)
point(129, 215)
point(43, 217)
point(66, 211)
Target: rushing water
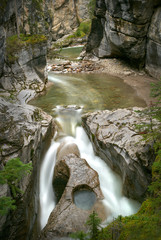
point(110, 183)
point(92, 92)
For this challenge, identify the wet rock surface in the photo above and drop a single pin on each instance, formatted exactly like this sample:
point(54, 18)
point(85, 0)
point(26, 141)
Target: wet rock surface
point(67, 217)
point(116, 140)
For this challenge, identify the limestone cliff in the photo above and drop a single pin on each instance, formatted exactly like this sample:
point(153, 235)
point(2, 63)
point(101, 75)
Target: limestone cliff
point(24, 130)
point(67, 16)
point(128, 29)
point(24, 62)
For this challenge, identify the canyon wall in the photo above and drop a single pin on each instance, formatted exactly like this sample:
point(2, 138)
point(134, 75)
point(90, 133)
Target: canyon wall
point(130, 30)
point(25, 131)
point(67, 16)
point(23, 62)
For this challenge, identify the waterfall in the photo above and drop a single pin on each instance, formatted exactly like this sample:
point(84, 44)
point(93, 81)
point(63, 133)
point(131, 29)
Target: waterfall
point(110, 183)
point(47, 198)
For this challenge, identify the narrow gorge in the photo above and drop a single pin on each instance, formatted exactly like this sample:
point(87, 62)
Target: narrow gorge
point(74, 80)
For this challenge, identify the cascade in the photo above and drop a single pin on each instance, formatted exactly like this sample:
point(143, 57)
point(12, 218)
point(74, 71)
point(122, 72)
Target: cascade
point(111, 184)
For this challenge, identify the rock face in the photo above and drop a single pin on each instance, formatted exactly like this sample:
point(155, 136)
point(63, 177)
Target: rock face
point(24, 131)
point(153, 58)
point(74, 12)
point(67, 217)
point(120, 29)
point(115, 139)
point(27, 70)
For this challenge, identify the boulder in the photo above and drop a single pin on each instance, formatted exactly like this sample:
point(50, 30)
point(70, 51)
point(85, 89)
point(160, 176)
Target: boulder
point(116, 140)
point(68, 216)
point(66, 148)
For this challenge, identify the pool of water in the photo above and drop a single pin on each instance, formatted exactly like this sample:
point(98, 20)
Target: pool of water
point(91, 91)
point(70, 53)
point(84, 199)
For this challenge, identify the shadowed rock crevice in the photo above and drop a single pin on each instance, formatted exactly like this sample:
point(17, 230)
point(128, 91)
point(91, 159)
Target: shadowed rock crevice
point(60, 179)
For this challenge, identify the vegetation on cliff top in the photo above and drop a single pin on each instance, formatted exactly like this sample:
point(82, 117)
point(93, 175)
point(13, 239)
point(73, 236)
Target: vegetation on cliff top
point(15, 44)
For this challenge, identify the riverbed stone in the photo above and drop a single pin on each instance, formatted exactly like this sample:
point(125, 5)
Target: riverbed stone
point(67, 217)
point(117, 141)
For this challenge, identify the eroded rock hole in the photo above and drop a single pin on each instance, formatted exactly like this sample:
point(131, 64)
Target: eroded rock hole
point(84, 197)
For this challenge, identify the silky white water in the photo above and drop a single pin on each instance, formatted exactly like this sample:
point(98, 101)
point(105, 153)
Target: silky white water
point(110, 183)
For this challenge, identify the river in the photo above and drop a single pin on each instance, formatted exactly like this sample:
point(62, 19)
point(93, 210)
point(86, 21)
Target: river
point(89, 92)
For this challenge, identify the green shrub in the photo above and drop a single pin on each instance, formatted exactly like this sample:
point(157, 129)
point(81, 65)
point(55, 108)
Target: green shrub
point(6, 204)
point(12, 173)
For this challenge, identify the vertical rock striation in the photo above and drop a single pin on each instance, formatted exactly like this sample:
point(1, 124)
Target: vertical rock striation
point(24, 129)
point(121, 29)
point(153, 55)
point(24, 66)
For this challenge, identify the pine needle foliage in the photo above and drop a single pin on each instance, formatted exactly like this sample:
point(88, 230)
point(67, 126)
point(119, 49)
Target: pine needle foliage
point(12, 174)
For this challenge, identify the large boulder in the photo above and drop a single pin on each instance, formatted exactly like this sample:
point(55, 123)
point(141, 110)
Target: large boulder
point(66, 148)
point(116, 140)
point(24, 133)
point(70, 214)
